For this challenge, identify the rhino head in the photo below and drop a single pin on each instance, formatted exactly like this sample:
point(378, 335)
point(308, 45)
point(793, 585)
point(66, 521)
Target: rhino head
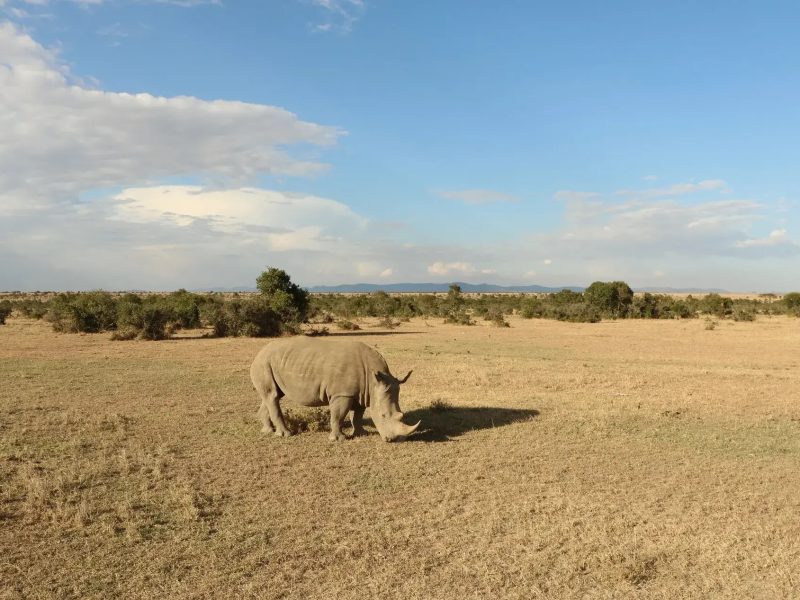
point(385, 408)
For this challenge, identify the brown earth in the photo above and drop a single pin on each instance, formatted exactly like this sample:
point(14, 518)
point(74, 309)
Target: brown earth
point(629, 459)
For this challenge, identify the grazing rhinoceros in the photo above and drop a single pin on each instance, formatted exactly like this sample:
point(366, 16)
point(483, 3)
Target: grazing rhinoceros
point(344, 375)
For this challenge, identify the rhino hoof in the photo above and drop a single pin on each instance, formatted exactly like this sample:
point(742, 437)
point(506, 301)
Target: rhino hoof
point(284, 433)
point(337, 437)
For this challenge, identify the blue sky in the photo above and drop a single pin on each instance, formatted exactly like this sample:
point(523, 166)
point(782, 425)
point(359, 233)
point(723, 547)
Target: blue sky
point(165, 144)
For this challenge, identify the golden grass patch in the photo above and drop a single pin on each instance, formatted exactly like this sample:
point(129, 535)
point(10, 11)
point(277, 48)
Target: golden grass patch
point(636, 459)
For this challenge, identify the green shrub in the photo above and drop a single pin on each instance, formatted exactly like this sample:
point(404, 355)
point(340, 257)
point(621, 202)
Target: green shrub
point(741, 313)
point(253, 317)
point(575, 313)
point(184, 309)
point(714, 304)
point(33, 309)
point(565, 297)
point(495, 314)
point(144, 319)
point(89, 312)
point(792, 303)
point(531, 307)
point(347, 325)
point(5, 309)
point(260, 319)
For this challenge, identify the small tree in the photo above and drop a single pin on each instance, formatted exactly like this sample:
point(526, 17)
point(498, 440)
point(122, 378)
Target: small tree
point(612, 298)
point(287, 299)
point(455, 311)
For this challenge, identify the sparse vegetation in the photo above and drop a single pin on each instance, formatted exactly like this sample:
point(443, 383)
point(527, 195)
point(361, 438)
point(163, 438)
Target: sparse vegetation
point(792, 303)
point(647, 468)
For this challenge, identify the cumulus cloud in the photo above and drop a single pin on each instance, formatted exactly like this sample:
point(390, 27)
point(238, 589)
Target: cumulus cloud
point(478, 196)
point(61, 138)
point(171, 236)
point(441, 268)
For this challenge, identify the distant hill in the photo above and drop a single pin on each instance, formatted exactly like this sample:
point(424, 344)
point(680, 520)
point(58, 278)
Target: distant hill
point(469, 288)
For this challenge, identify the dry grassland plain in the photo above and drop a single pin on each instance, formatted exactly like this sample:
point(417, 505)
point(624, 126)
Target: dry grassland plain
point(623, 459)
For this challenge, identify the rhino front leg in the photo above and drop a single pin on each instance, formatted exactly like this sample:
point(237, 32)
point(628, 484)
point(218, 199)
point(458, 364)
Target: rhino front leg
point(340, 406)
point(358, 420)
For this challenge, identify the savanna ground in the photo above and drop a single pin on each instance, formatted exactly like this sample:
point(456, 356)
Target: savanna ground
point(624, 459)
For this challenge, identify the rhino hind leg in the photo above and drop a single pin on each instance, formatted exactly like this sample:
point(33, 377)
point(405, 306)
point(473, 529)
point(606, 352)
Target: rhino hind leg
point(263, 415)
point(358, 420)
point(340, 406)
point(270, 411)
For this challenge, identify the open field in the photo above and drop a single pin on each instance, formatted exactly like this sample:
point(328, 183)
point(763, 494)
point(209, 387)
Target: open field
point(633, 458)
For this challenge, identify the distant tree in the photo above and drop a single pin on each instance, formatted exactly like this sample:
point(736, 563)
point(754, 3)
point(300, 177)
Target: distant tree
point(455, 310)
point(287, 299)
point(611, 298)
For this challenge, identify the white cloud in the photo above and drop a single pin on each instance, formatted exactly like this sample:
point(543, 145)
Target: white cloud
point(679, 189)
point(166, 237)
point(547, 261)
point(371, 269)
point(338, 15)
point(777, 237)
point(478, 196)
point(441, 268)
point(61, 138)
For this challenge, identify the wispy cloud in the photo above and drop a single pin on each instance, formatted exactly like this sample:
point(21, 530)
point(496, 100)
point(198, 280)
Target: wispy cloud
point(678, 189)
point(478, 196)
point(338, 15)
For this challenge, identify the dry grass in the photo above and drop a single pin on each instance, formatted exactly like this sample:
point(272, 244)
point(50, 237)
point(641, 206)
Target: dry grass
point(628, 459)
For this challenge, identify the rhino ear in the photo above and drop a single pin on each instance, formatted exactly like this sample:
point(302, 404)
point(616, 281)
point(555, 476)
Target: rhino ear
point(404, 379)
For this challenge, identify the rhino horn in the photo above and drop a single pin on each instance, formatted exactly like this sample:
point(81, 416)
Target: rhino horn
point(404, 379)
point(405, 430)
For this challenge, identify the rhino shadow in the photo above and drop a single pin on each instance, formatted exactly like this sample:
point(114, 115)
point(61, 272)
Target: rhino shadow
point(443, 424)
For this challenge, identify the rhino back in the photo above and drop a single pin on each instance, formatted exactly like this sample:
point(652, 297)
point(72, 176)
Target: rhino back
point(311, 371)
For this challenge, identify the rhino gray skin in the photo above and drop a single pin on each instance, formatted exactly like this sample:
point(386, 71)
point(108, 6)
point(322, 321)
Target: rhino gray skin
point(344, 375)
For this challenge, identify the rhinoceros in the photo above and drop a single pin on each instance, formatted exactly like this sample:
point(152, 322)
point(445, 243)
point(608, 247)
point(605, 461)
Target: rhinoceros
point(344, 375)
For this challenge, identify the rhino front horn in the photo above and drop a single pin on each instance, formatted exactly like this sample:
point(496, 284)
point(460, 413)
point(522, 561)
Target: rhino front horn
point(409, 429)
